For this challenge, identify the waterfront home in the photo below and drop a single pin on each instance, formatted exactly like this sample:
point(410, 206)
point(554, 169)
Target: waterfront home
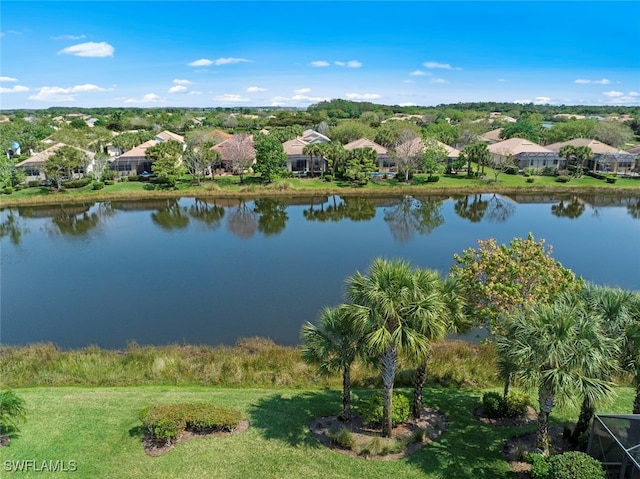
point(135, 161)
point(605, 158)
point(385, 161)
point(526, 154)
point(34, 165)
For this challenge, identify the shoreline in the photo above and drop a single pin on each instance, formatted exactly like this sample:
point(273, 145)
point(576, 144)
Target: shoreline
point(275, 192)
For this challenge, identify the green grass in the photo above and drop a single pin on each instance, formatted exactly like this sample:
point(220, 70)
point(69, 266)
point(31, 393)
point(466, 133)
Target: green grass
point(253, 186)
point(99, 428)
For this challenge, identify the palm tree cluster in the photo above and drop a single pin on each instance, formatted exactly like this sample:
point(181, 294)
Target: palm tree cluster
point(570, 348)
point(394, 311)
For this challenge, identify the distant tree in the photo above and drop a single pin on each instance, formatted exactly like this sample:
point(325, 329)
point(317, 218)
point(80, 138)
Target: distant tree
point(476, 153)
point(360, 162)
point(6, 167)
point(271, 159)
point(199, 162)
point(576, 156)
point(500, 162)
point(407, 151)
point(433, 158)
point(613, 133)
point(166, 157)
point(522, 129)
point(443, 132)
point(239, 153)
point(350, 130)
point(78, 123)
point(62, 163)
point(313, 150)
point(336, 156)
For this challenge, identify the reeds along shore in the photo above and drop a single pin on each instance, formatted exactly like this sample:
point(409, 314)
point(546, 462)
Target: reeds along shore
point(250, 363)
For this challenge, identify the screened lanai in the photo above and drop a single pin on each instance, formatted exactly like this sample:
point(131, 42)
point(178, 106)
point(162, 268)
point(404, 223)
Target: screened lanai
point(615, 441)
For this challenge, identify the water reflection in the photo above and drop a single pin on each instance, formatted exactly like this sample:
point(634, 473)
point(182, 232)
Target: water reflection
point(242, 220)
point(207, 213)
point(499, 209)
point(272, 215)
point(571, 208)
point(174, 217)
point(471, 207)
point(409, 215)
point(13, 227)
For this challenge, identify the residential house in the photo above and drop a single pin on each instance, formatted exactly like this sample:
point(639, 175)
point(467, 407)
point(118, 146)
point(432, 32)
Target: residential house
point(238, 147)
point(416, 147)
point(492, 136)
point(34, 165)
point(297, 161)
point(527, 154)
point(605, 158)
point(385, 162)
point(135, 161)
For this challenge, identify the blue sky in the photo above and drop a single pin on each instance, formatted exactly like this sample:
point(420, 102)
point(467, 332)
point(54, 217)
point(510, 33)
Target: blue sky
point(296, 53)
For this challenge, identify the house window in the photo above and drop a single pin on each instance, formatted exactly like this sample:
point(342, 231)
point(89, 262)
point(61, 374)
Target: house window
point(544, 162)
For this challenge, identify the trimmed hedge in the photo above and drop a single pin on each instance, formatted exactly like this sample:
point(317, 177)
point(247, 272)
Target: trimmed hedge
point(166, 422)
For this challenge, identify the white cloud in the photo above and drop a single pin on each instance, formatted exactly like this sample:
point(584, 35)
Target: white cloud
point(181, 82)
point(501, 80)
point(177, 89)
point(69, 37)
point(350, 64)
point(408, 81)
point(295, 99)
point(300, 91)
point(255, 89)
point(203, 62)
point(3, 78)
point(230, 98)
point(148, 98)
point(362, 96)
point(581, 81)
point(407, 104)
point(227, 61)
point(420, 73)
point(14, 89)
point(195, 92)
point(56, 93)
point(541, 100)
point(621, 98)
point(89, 49)
point(320, 63)
point(440, 81)
point(306, 98)
point(613, 94)
point(443, 66)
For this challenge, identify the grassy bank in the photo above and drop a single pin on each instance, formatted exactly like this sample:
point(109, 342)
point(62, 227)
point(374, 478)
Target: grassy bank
point(99, 429)
point(251, 363)
point(229, 186)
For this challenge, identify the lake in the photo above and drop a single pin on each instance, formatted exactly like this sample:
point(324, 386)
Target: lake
point(212, 271)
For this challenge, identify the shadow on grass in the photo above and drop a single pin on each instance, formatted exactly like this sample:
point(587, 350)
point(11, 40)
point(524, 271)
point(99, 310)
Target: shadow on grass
point(286, 417)
point(467, 447)
point(137, 431)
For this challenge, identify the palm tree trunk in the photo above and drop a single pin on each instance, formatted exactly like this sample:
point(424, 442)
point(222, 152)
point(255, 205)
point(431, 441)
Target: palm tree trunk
point(416, 408)
point(346, 394)
point(389, 359)
point(636, 401)
point(587, 411)
point(545, 399)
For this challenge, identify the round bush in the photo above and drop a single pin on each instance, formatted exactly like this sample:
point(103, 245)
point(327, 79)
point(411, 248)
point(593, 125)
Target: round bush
point(371, 410)
point(97, 185)
point(574, 465)
point(493, 404)
point(8, 190)
point(563, 179)
point(530, 179)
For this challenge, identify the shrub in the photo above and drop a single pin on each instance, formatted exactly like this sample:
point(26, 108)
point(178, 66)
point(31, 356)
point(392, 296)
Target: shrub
point(549, 171)
point(563, 179)
point(134, 178)
point(574, 465)
point(166, 423)
point(79, 183)
point(516, 403)
point(344, 439)
point(7, 190)
point(12, 410)
point(611, 179)
point(328, 178)
point(433, 179)
point(33, 183)
point(540, 466)
point(511, 170)
point(371, 410)
point(530, 179)
point(109, 182)
point(97, 185)
point(493, 404)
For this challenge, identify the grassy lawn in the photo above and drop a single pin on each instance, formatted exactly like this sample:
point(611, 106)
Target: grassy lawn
point(99, 429)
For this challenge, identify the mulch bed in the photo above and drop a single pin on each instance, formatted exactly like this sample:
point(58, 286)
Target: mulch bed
point(432, 421)
point(152, 448)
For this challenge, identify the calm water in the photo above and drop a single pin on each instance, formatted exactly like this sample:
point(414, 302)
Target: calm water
point(172, 271)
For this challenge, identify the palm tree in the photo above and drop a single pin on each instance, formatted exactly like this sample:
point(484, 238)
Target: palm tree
point(613, 307)
point(557, 349)
point(333, 346)
point(631, 350)
point(398, 303)
point(451, 318)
